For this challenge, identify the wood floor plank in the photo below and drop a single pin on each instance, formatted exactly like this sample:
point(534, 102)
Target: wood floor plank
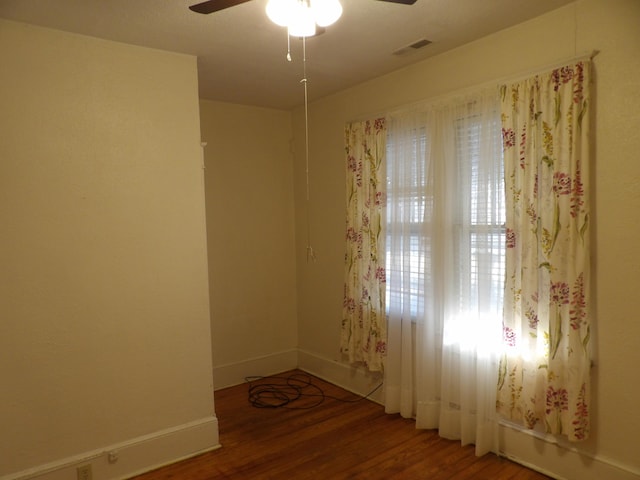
point(334, 440)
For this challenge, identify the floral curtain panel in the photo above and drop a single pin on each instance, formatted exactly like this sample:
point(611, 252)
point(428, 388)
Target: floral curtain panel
point(364, 330)
point(544, 374)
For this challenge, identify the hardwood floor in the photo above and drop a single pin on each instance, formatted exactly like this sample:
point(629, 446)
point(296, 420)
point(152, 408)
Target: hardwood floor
point(332, 440)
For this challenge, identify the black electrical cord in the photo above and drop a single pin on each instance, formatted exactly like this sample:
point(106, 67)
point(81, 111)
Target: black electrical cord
point(290, 391)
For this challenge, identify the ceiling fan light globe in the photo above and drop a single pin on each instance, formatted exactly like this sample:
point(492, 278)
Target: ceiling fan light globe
point(280, 11)
point(302, 22)
point(326, 12)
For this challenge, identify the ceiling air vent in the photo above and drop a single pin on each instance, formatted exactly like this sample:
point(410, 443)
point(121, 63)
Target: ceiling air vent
point(412, 47)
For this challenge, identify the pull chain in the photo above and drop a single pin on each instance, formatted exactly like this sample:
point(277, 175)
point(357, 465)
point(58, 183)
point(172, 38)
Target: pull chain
point(311, 255)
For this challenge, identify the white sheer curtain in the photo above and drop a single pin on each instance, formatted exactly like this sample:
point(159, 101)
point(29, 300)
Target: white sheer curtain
point(445, 266)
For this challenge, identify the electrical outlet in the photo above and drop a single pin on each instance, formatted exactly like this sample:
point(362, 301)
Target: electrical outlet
point(84, 472)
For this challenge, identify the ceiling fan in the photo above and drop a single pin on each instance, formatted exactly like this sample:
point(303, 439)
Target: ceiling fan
point(211, 6)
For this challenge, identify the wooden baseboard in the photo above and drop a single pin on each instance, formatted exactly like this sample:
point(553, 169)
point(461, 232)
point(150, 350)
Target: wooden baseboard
point(134, 456)
point(563, 462)
point(235, 373)
point(355, 379)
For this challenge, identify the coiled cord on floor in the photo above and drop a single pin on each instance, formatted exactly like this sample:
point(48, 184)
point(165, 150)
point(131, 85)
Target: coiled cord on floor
point(295, 391)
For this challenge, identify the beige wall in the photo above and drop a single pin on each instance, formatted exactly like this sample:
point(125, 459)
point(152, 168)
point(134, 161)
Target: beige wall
point(249, 184)
point(104, 318)
point(104, 312)
point(610, 26)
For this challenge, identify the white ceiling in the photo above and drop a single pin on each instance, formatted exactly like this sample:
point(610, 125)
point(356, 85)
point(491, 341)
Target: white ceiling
point(242, 55)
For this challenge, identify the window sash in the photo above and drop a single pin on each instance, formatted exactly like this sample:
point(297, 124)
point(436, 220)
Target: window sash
point(479, 230)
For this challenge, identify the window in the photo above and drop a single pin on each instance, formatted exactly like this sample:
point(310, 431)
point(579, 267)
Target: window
point(480, 215)
point(445, 213)
point(406, 202)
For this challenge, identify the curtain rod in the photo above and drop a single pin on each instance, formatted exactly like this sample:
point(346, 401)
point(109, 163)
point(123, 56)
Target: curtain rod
point(546, 68)
point(475, 88)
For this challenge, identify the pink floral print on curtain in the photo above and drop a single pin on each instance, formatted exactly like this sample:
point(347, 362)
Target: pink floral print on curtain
point(545, 371)
point(364, 329)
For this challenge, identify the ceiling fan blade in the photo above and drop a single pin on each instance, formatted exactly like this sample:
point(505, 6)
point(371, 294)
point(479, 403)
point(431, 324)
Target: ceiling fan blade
point(404, 2)
point(214, 5)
